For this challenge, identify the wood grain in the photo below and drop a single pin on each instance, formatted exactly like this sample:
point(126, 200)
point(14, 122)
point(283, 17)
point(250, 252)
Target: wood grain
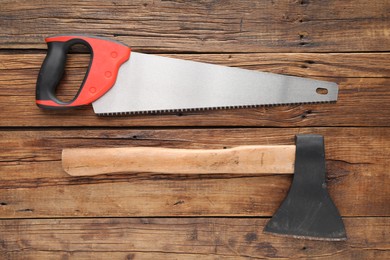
point(204, 26)
point(364, 99)
point(182, 238)
point(250, 159)
point(34, 185)
point(46, 214)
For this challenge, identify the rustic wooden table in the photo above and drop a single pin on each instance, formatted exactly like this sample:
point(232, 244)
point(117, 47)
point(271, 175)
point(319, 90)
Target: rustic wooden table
point(46, 214)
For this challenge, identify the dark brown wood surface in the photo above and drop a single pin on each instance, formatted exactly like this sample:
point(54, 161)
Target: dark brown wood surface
point(181, 238)
point(205, 26)
point(46, 214)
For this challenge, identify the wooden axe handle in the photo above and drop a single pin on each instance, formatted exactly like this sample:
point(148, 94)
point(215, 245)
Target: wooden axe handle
point(254, 159)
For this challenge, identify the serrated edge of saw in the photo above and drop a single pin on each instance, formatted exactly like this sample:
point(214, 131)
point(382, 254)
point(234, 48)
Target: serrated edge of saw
point(180, 110)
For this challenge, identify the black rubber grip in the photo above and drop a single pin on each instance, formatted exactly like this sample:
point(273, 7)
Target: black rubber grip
point(52, 71)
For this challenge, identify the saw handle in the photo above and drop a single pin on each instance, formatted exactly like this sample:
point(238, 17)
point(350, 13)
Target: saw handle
point(254, 159)
point(107, 57)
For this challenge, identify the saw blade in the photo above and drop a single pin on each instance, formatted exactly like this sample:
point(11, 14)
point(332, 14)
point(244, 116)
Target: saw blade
point(155, 84)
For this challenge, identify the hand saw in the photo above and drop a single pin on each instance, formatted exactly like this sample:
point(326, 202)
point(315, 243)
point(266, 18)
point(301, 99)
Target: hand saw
point(120, 81)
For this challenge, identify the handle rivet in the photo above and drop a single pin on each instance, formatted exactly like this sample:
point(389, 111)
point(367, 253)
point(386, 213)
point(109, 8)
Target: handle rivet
point(114, 54)
point(108, 74)
point(92, 89)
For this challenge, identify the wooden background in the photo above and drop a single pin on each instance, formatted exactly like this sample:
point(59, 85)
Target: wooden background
point(46, 214)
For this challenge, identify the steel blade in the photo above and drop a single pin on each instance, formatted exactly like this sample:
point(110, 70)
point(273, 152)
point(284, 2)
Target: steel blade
point(152, 83)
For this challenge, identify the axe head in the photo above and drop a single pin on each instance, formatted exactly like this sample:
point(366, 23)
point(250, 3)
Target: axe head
point(308, 211)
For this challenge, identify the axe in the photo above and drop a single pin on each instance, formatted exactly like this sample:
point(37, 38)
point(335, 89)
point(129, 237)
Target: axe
point(306, 212)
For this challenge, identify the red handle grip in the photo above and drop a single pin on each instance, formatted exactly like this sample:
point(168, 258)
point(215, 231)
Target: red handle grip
point(107, 57)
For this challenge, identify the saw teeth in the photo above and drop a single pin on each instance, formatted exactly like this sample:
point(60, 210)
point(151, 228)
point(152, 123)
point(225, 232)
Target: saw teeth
point(171, 111)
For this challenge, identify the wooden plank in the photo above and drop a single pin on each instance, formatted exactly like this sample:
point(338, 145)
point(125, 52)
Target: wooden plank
point(204, 26)
point(362, 77)
point(182, 238)
point(33, 183)
point(318, 65)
